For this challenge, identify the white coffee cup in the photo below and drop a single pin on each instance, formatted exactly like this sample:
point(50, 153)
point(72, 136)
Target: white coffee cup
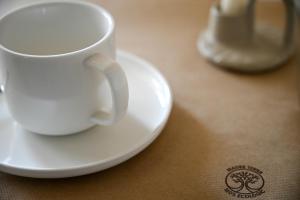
point(53, 54)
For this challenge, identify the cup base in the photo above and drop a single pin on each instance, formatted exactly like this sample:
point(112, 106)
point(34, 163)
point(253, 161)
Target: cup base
point(265, 52)
point(55, 134)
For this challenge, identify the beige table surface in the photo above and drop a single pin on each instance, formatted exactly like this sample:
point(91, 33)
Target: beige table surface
point(219, 119)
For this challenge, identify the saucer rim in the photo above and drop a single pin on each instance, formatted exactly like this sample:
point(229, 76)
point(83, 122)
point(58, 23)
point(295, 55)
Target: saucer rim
point(108, 162)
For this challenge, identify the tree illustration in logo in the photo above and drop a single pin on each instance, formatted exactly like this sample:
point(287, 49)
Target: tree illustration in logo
point(244, 182)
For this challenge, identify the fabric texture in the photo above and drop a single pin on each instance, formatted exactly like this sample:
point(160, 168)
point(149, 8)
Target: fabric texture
point(220, 119)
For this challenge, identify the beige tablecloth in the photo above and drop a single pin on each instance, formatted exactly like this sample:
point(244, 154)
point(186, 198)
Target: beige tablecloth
point(219, 119)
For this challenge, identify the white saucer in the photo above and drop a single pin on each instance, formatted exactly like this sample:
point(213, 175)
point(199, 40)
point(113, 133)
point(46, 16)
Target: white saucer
point(27, 154)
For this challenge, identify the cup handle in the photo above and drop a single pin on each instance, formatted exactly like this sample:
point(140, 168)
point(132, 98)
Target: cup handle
point(290, 23)
point(290, 19)
point(117, 81)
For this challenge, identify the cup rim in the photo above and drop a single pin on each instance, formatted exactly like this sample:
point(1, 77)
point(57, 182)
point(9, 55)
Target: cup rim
point(105, 13)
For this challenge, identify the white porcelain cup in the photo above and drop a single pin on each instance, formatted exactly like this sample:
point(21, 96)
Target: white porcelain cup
point(55, 55)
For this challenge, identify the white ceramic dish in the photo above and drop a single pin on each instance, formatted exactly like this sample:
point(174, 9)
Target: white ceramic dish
point(28, 154)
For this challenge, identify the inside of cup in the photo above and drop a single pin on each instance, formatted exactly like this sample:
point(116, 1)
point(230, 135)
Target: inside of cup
point(53, 28)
